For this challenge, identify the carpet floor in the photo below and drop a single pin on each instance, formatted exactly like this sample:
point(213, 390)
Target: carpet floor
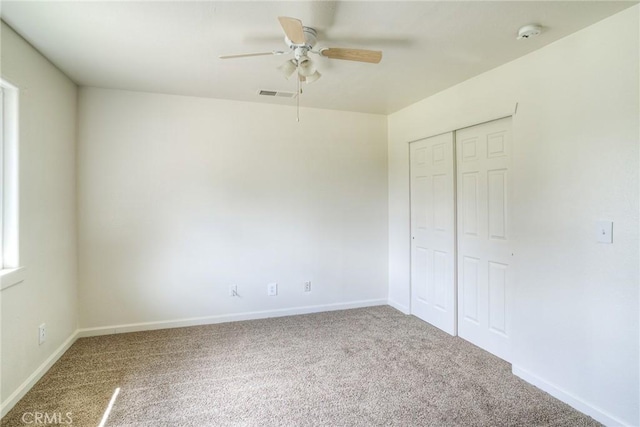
point(362, 367)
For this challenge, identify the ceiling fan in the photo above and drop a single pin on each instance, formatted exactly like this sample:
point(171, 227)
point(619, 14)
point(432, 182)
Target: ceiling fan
point(301, 41)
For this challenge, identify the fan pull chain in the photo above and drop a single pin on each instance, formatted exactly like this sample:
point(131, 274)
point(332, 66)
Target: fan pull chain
point(298, 101)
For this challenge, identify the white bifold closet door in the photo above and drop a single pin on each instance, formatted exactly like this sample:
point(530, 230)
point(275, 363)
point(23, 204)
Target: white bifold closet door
point(433, 231)
point(483, 250)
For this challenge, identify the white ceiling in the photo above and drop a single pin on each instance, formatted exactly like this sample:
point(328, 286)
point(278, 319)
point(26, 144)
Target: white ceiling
point(173, 47)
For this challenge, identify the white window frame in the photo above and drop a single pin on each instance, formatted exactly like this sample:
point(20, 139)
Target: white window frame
point(11, 272)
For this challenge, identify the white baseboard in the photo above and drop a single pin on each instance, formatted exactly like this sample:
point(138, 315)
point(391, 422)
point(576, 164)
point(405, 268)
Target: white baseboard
point(15, 397)
point(568, 398)
point(400, 307)
point(223, 318)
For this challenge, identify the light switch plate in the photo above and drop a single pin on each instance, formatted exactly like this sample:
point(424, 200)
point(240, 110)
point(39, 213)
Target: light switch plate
point(604, 231)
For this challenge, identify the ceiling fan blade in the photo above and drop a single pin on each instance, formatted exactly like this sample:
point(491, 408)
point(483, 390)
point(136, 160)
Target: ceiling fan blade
point(244, 55)
point(292, 27)
point(362, 55)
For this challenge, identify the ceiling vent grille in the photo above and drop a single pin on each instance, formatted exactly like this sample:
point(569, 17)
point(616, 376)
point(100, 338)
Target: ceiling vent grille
point(277, 93)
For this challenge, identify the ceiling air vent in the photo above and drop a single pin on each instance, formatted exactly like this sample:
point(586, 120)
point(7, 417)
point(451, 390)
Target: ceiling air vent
point(276, 93)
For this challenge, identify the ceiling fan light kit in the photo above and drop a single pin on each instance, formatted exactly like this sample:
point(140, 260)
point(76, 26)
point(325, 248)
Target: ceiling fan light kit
point(313, 77)
point(288, 68)
point(305, 67)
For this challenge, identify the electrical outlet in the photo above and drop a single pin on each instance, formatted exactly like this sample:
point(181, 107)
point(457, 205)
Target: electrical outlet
point(42, 334)
point(307, 286)
point(233, 290)
point(272, 289)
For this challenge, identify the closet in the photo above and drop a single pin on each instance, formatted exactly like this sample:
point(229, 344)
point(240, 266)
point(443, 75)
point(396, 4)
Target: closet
point(461, 281)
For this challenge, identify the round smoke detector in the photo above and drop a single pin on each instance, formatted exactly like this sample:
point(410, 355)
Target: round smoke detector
point(529, 31)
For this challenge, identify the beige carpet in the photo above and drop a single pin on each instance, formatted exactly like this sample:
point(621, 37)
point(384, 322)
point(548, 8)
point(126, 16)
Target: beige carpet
point(372, 366)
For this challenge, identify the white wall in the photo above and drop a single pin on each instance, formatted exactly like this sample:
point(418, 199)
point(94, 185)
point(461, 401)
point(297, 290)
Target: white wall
point(575, 161)
point(47, 133)
point(180, 197)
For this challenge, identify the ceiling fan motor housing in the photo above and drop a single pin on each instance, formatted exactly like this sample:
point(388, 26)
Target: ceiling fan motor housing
point(300, 50)
point(310, 37)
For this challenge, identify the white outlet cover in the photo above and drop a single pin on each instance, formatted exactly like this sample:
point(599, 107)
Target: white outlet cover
point(272, 289)
point(42, 333)
point(604, 231)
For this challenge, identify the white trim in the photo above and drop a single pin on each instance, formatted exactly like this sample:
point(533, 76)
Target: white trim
point(223, 318)
point(10, 227)
point(10, 277)
point(15, 397)
point(400, 307)
point(465, 123)
point(568, 398)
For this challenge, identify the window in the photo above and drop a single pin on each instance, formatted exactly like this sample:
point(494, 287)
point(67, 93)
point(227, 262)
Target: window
point(11, 273)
